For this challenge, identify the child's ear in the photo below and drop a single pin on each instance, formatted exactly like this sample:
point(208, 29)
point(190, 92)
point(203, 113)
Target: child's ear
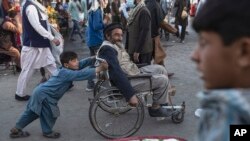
point(244, 52)
point(65, 65)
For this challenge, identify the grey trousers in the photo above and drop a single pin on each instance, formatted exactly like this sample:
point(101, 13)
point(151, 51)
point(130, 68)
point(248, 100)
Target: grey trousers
point(160, 82)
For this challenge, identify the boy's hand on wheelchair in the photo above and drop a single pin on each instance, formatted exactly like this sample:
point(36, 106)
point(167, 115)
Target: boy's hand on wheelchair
point(102, 67)
point(133, 101)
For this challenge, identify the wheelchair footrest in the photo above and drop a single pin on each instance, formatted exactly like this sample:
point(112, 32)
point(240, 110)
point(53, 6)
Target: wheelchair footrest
point(172, 107)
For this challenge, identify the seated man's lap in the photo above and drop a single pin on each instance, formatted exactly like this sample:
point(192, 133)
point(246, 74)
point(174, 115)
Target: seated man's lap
point(159, 86)
point(154, 69)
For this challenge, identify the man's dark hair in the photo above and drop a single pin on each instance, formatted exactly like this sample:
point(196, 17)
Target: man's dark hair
point(229, 18)
point(66, 56)
point(108, 29)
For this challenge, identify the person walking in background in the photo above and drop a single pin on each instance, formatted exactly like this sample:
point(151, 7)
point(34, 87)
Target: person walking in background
point(116, 17)
point(36, 45)
point(94, 33)
point(10, 30)
point(66, 5)
point(84, 9)
point(222, 57)
point(138, 40)
point(85, 15)
point(124, 13)
point(6, 5)
point(181, 18)
point(157, 17)
point(74, 11)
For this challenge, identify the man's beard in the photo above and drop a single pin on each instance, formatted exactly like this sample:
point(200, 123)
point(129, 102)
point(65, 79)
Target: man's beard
point(119, 44)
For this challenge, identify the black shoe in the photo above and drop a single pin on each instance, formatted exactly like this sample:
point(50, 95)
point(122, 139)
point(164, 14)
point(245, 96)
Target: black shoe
point(160, 112)
point(18, 69)
point(71, 86)
point(19, 98)
point(170, 74)
point(177, 34)
point(44, 79)
point(90, 86)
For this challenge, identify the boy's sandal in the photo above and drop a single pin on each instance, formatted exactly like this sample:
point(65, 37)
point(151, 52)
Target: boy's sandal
point(53, 135)
point(16, 133)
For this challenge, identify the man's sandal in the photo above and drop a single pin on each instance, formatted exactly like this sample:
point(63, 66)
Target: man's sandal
point(17, 133)
point(53, 135)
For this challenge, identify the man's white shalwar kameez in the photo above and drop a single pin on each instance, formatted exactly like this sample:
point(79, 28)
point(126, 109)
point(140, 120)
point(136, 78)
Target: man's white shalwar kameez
point(34, 58)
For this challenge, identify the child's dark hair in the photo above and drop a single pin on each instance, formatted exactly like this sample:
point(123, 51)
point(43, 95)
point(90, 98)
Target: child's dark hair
point(66, 56)
point(229, 18)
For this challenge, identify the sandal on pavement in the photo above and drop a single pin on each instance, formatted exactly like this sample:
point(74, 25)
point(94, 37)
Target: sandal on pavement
point(53, 135)
point(17, 133)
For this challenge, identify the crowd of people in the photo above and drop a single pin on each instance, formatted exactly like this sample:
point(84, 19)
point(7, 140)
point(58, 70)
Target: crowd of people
point(222, 55)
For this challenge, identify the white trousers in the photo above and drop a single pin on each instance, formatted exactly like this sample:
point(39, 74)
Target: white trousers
point(32, 59)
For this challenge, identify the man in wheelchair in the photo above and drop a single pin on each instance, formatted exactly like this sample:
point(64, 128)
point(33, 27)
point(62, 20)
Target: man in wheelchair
point(120, 67)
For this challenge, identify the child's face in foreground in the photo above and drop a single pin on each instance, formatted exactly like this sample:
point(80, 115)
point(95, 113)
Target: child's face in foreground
point(215, 62)
point(72, 64)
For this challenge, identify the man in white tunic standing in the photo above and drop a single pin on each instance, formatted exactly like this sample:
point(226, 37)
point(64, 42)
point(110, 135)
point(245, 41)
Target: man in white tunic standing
point(36, 45)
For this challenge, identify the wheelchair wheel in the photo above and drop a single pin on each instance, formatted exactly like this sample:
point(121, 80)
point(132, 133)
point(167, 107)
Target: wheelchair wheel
point(178, 117)
point(111, 121)
point(105, 104)
point(98, 87)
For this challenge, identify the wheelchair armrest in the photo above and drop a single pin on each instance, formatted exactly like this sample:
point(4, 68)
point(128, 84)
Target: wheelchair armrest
point(141, 65)
point(140, 76)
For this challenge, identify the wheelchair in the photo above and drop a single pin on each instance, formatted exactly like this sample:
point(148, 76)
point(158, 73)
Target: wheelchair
point(112, 117)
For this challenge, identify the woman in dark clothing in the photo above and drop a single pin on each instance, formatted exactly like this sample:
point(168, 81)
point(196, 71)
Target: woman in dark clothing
point(179, 20)
point(115, 11)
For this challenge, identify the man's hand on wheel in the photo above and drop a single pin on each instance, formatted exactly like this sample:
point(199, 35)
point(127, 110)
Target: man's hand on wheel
point(133, 101)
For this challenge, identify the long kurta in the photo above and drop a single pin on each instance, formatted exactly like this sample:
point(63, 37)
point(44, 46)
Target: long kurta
point(60, 81)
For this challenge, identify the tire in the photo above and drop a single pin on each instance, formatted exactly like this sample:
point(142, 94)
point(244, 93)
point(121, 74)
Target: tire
point(97, 87)
point(178, 117)
point(112, 121)
point(101, 86)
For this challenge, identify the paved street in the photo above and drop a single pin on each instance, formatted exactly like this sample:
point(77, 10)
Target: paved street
point(74, 125)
